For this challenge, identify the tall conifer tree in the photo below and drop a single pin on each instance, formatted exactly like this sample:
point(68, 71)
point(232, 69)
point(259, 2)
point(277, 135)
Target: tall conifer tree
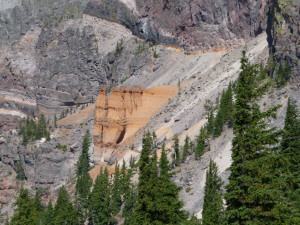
point(100, 211)
point(212, 213)
point(142, 215)
point(116, 200)
point(252, 194)
point(64, 213)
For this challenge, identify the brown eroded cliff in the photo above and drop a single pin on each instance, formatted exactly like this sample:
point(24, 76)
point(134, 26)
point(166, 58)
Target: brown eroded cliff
point(122, 114)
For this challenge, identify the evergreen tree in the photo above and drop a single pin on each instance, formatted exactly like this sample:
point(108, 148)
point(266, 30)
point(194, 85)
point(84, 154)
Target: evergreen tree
point(20, 171)
point(229, 107)
point(201, 143)
point(212, 213)
point(129, 195)
point(116, 200)
point(100, 210)
point(176, 148)
point(142, 215)
point(290, 150)
point(186, 148)
point(48, 216)
point(64, 213)
point(167, 208)
point(123, 178)
point(25, 213)
point(130, 198)
point(290, 143)
point(210, 123)
point(252, 194)
point(83, 164)
point(220, 118)
point(84, 181)
point(37, 202)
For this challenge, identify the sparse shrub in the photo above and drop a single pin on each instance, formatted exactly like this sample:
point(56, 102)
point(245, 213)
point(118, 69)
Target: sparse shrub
point(119, 46)
point(155, 55)
point(62, 147)
point(188, 189)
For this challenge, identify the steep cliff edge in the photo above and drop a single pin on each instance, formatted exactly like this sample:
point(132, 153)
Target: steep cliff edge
point(197, 24)
point(120, 116)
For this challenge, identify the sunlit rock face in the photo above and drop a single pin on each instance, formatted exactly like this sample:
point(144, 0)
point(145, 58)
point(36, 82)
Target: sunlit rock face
point(120, 116)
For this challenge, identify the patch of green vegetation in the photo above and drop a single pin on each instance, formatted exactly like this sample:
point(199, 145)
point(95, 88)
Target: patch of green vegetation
point(62, 147)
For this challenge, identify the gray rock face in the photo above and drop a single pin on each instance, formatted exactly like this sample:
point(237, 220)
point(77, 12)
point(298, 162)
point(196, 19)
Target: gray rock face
point(197, 24)
point(70, 70)
point(284, 32)
point(46, 167)
point(17, 16)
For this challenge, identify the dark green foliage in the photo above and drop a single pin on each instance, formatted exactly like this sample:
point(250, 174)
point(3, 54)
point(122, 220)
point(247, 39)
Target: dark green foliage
point(26, 211)
point(252, 193)
point(129, 195)
point(192, 221)
point(157, 201)
point(290, 150)
point(64, 148)
point(201, 143)
point(225, 112)
point(84, 181)
point(64, 213)
point(212, 213)
point(37, 202)
point(48, 216)
point(100, 211)
point(290, 143)
point(220, 118)
point(229, 106)
point(186, 148)
point(31, 130)
point(20, 171)
point(83, 164)
point(116, 200)
point(119, 47)
point(130, 198)
point(142, 214)
point(210, 123)
point(168, 206)
point(176, 148)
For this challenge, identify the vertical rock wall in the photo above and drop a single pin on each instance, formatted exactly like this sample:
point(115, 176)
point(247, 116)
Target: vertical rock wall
point(283, 31)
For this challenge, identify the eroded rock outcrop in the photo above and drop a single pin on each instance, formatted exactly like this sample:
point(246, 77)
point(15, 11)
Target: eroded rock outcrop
point(197, 24)
point(127, 110)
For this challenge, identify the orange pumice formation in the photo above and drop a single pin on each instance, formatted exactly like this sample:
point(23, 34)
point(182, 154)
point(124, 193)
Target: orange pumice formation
point(120, 116)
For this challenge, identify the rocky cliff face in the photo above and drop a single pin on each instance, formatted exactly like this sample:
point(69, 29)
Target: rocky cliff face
point(46, 166)
point(120, 116)
point(17, 16)
point(284, 32)
point(197, 24)
point(56, 66)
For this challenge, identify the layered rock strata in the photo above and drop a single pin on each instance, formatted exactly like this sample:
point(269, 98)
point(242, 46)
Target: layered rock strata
point(126, 110)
